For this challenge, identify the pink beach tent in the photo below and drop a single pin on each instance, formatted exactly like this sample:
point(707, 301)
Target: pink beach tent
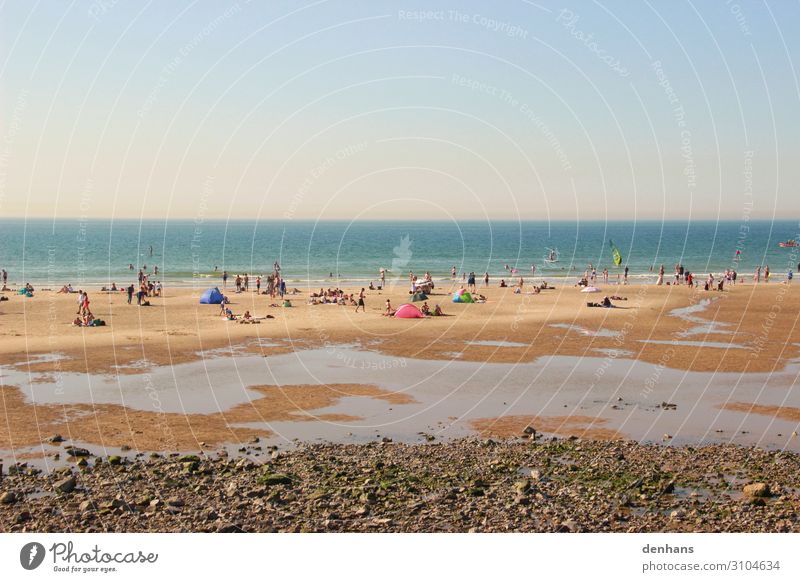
point(408, 311)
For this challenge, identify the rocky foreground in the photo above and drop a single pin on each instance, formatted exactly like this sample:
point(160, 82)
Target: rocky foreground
point(469, 485)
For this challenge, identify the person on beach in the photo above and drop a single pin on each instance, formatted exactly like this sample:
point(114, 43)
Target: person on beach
point(453, 272)
point(789, 276)
point(757, 275)
point(258, 285)
point(625, 280)
point(660, 280)
point(766, 274)
point(85, 304)
point(471, 282)
point(486, 278)
point(224, 279)
point(361, 301)
point(130, 293)
point(388, 311)
point(605, 276)
point(5, 277)
point(80, 301)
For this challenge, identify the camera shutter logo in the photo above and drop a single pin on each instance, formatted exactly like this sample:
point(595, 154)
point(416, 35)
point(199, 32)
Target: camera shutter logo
point(31, 555)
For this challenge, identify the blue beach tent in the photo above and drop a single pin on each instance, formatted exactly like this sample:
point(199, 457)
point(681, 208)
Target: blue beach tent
point(211, 296)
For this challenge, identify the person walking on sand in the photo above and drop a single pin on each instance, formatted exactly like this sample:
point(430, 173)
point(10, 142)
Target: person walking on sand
point(80, 301)
point(361, 302)
point(130, 293)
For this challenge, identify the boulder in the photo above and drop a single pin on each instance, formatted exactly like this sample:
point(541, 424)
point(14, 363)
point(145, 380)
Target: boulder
point(756, 490)
point(66, 485)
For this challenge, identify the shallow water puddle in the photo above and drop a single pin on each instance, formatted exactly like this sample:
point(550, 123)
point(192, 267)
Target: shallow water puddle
point(584, 331)
point(448, 396)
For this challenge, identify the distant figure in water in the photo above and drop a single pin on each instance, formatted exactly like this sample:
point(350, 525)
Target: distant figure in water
point(151, 250)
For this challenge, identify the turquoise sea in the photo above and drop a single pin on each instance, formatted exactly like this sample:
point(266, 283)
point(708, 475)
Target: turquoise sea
point(52, 253)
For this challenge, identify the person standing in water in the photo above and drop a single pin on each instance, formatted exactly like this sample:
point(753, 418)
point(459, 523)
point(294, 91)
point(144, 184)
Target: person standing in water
point(224, 279)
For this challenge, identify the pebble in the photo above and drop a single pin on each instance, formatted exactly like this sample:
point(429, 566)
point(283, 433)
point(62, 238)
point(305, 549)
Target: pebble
point(453, 485)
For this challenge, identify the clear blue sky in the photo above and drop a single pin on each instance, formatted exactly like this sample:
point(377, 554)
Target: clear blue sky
point(335, 109)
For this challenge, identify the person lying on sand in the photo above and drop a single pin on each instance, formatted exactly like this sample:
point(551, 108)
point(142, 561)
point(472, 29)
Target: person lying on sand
point(618, 298)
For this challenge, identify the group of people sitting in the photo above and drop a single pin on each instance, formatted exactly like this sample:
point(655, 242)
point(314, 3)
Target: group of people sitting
point(426, 310)
point(332, 296)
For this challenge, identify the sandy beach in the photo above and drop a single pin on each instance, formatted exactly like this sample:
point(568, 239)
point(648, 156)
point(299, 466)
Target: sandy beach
point(743, 332)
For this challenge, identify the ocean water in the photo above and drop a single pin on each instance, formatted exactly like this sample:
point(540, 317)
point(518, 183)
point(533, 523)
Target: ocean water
point(53, 253)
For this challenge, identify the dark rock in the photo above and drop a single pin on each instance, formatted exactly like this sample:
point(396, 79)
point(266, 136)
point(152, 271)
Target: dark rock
point(66, 485)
